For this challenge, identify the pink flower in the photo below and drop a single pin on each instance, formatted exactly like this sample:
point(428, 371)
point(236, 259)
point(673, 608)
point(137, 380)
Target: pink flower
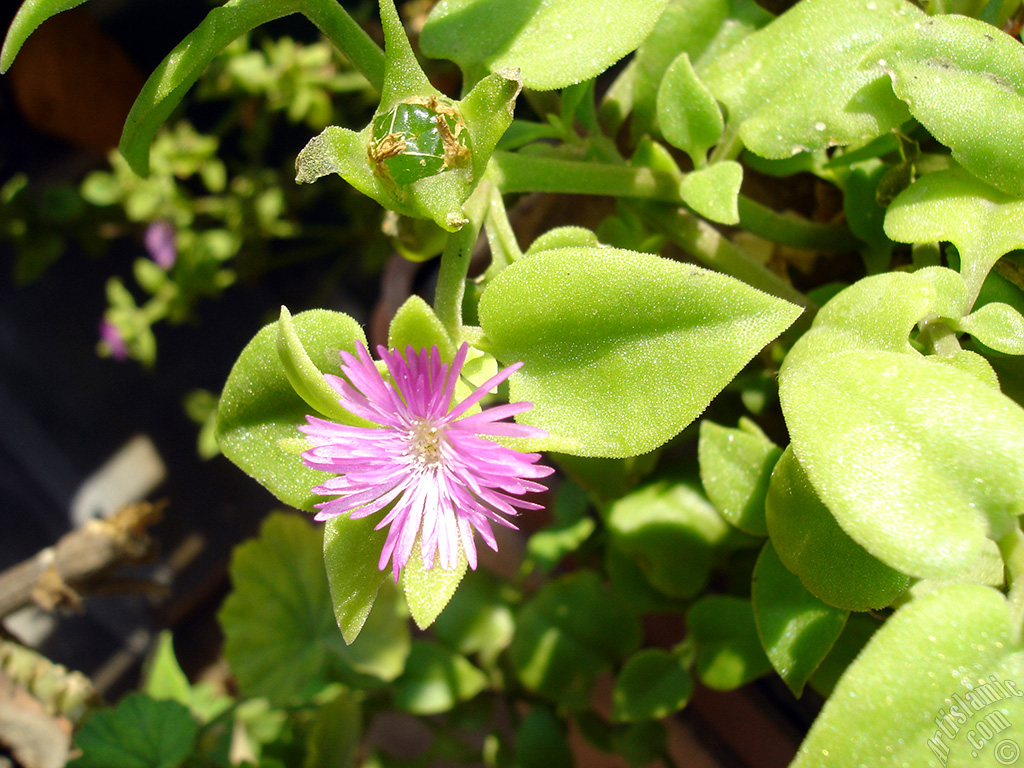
point(160, 243)
point(111, 336)
point(426, 459)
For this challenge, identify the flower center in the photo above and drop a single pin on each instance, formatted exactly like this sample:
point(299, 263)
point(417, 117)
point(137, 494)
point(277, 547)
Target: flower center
point(425, 443)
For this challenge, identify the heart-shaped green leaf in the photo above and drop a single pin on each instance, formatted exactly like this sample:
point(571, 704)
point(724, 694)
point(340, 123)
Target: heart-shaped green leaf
point(806, 537)
point(796, 629)
point(713, 192)
point(436, 679)
point(621, 350)
point(652, 684)
point(259, 408)
point(688, 114)
point(729, 653)
point(735, 465)
point(554, 43)
point(570, 631)
point(796, 85)
point(938, 685)
point(997, 326)
point(962, 80)
point(982, 222)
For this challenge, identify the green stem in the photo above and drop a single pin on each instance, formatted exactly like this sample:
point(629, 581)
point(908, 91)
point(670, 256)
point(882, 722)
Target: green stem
point(451, 279)
point(793, 231)
point(524, 173)
point(1011, 547)
point(713, 250)
point(500, 235)
point(348, 37)
point(729, 145)
point(940, 338)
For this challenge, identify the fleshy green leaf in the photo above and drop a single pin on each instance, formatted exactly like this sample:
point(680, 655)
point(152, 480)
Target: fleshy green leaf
point(982, 222)
point(998, 326)
point(554, 44)
point(305, 378)
point(428, 590)
point(351, 555)
point(259, 407)
point(713, 192)
point(702, 29)
point(672, 532)
point(796, 629)
point(569, 529)
point(796, 85)
point(858, 630)
point(164, 680)
point(918, 461)
point(564, 237)
point(181, 68)
point(729, 653)
point(621, 350)
point(652, 684)
point(962, 80)
point(570, 631)
point(688, 114)
point(806, 537)
point(281, 639)
point(436, 679)
point(30, 15)
point(934, 686)
point(735, 465)
point(478, 619)
point(416, 325)
point(139, 733)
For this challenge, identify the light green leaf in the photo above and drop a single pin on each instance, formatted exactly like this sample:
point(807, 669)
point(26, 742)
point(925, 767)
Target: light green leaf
point(305, 378)
point(569, 632)
point(713, 192)
point(729, 653)
point(554, 44)
point(998, 326)
point(688, 114)
point(735, 465)
point(259, 407)
point(181, 68)
point(982, 222)
point(796, 85)
point(672, 532)
point(351, 555)
point(478, 619)
point(416, 325)
point(797, 630)
point(428, 590)
point(918, 461)
point(281, 639)
point(652, 684)
point(30, 15)
point(164, 680)
point(621, 350)
point(702, 29)
point(858, 630)
point(139, 733)
point(436, 679)
point(937, 685)
point(569, 529)
point(832, 566)
point(962, 80)
point(563, 237)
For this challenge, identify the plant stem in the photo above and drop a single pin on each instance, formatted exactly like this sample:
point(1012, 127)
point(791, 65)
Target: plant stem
point(712, 249)
point(524, 173)
point(500, 235)
point(451, 279)
point(1011, 547)
point(348, 37)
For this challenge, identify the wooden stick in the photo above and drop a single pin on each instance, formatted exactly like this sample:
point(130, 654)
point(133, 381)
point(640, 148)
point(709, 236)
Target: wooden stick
point(51, 578)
